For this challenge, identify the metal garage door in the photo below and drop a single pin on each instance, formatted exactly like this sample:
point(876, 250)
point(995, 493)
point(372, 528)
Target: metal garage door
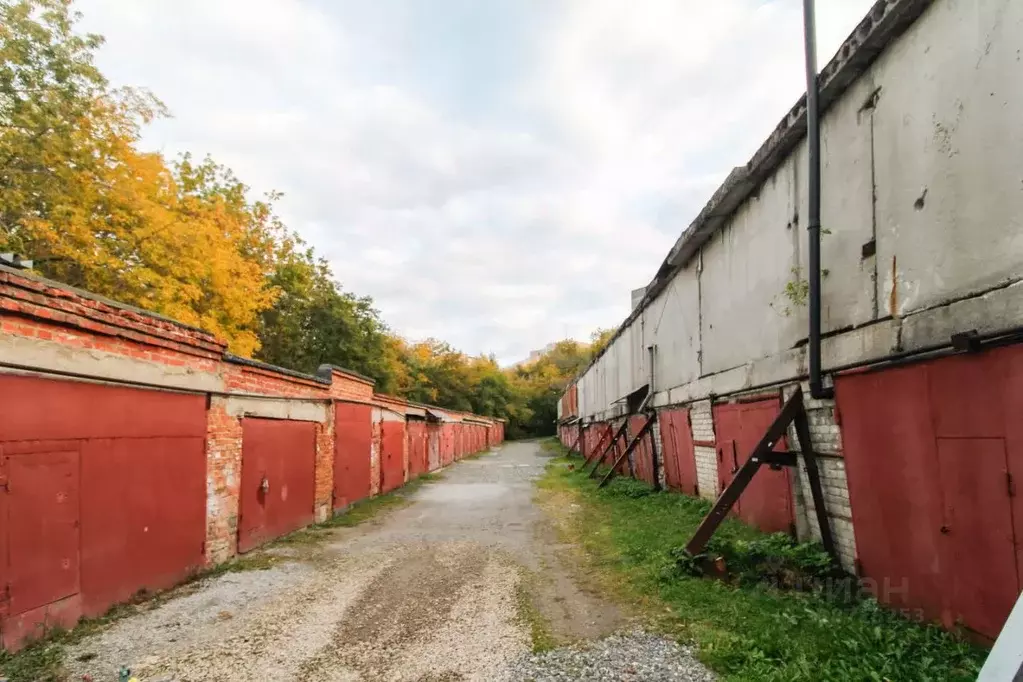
point(767, 501)
point(679, 454)
point(933, 451)
point(392, 455)
point(278, 488)
point(104, 495)
point(353, 444)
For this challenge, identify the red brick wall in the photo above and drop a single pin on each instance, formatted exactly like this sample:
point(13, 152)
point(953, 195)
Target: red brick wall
point(223, 478)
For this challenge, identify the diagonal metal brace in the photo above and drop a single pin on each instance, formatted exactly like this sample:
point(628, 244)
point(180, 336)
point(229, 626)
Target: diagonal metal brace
point(600, 444)
point(613, 443)
point(792, 411)
point(636, 440)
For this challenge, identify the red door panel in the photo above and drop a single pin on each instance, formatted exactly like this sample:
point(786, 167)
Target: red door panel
point(283, 453)
point(143, 516)
point(353, 445)
point(51, 409)
point(979, 556)
point(894, 485)
point(964, 394)
point(433, 432)
point(417, 448)
point(43, 528)
point(392, 466)
point(727, 427)
point(767, 501)
point(642, 455)
point(679, 454)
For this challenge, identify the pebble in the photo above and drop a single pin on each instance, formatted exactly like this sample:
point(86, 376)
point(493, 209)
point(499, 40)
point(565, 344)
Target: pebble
point(631, 657)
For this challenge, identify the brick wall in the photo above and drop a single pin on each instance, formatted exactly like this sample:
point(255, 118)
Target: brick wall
point(701, 415)
point(827, 443)
point(223, 478)
point(374, 452)
point(659, 453)
point(324, 468)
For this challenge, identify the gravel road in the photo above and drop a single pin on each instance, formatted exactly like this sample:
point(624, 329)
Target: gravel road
point(431, 592)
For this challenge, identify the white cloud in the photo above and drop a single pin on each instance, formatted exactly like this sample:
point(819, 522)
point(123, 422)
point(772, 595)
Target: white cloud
point(498, 215)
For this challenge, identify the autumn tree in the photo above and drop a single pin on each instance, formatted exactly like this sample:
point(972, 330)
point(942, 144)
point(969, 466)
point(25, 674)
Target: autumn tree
point(79, 199)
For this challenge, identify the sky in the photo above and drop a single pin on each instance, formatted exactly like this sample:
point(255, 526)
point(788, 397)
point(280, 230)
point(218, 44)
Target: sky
point(494, 173)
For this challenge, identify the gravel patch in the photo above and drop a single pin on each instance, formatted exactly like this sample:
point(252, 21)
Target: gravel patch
point(631, 657)
point(183, 622)
point(426, 593)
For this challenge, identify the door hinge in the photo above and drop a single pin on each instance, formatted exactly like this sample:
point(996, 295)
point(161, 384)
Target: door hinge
point(5, 484)
point(1010, 484)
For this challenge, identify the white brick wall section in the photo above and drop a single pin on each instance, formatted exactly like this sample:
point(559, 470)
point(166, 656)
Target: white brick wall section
point(701, 415)
point(827, 441)
point(659, 452)
point(707, 471)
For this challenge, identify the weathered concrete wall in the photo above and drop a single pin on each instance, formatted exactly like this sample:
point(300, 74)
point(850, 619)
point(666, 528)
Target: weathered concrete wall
point(923, 213)
point(923, 218)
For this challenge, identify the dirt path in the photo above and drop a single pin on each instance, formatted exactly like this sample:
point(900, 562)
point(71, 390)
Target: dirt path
point(436, 590)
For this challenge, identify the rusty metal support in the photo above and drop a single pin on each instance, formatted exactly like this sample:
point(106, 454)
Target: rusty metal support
point(636, 440)
point(792, 411)
point(613, 443)
point(814, 478)
point(598, 448)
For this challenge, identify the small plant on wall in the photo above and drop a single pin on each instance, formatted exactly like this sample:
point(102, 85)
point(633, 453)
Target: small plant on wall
point(796, 291)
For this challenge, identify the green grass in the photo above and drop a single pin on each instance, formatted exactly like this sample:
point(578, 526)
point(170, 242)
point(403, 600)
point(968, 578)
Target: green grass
point(540, 634)
point(43, 661)
point(743, 629)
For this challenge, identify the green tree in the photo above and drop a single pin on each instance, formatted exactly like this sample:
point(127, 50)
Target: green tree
point(314, 322)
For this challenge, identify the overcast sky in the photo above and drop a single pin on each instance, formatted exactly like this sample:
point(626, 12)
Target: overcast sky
point(494, 173)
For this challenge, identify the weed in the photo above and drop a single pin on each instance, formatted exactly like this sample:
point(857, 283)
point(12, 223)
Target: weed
point(746, 628)
point(541, 637)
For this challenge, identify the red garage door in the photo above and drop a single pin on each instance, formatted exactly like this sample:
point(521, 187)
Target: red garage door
point(447, 443)
point(353, 445)
point(278, 488)
point(417, 448)
point(767, 501)
point(643, 454)
point(105, 496)
point(932, 453)
point(679, 454)
point(392, 464)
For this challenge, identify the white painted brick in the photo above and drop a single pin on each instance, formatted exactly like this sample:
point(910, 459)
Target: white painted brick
point(701, 415)
point(826, 438)
point(707, 471)
point(659, 452)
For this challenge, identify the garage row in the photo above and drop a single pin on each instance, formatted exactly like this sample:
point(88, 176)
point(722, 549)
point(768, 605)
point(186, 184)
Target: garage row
point(926, 505)
point(135, 452)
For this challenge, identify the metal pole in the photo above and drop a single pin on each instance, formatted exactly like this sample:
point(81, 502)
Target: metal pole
point(813, 137)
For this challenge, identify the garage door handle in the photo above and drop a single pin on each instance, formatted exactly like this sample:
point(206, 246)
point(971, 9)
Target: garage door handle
point(945, 530)
point(264, 485)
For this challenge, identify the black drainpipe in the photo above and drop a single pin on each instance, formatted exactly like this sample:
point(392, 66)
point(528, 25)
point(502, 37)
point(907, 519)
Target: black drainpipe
point(813, 137)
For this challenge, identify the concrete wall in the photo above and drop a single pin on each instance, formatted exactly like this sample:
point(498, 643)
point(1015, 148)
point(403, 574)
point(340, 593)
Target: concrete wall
point(921, 158)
